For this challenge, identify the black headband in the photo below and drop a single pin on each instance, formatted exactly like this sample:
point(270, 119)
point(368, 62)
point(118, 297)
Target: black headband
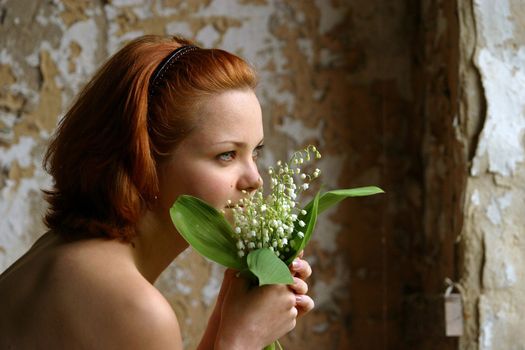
point(165, 64)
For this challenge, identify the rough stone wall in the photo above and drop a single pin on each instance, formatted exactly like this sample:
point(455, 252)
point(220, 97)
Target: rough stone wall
point(340, 74)
point(493, 237)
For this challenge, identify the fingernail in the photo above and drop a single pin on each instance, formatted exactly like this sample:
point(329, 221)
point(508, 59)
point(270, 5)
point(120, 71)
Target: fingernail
point(298, 298)
point(296, 264)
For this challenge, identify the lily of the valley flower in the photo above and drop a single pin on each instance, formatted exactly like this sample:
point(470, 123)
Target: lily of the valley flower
point(268, 222)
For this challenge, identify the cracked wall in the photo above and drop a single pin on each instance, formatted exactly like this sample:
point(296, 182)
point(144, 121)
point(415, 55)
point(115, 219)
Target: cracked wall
point(493, 237)
point(340, 74)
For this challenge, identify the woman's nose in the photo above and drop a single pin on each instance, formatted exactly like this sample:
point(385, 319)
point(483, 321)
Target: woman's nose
point(251, 179)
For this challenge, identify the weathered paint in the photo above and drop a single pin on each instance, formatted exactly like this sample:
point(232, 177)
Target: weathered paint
point(339, 74)
point(493, 236)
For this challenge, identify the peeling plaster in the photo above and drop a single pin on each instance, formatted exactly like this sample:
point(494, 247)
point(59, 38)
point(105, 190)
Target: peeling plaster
point(208, 36)
point(85, 36)
point(486, 335)
point(179, 28)
point(332, 167)
point(20, 152)
point(297, 131)
point(258, 31)
point(327, 232)
point(500, 323)
point(475, 198)
point(126, 3)
point(306, 47)
point(330, 15)
point(497, 207)
point(327, 291)
point(501, 139)
point(17, 215)
point(495, 26)
point(212, 287)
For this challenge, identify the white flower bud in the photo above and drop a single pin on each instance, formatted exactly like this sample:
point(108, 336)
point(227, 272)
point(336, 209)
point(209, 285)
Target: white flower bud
point(263, 207)
point(240, 253)
point(303, 176)
point(251, 245)
point(300, 234)
point(238, 230)
point(305, 186)
point(303, 212)
point(301, 223)
point(293, 217)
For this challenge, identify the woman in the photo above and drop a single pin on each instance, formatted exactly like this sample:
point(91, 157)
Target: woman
point(161, 118)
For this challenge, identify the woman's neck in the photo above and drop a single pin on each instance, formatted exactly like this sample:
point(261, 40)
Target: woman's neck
point(156, 245)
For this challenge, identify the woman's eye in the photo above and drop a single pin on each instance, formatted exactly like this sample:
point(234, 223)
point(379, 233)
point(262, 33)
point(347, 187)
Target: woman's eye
point(257, 151)
point(226, 156)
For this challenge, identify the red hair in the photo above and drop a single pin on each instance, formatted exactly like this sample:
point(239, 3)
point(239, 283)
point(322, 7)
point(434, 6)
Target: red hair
point(104, 155)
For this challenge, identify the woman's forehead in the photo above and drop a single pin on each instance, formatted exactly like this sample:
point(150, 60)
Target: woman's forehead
point(231, 116)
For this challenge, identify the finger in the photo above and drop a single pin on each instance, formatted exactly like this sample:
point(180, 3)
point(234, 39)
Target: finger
point(299, 286)
point(304, 304)
point(301, 268)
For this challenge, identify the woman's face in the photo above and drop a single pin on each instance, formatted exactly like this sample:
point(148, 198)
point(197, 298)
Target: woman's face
point(217, 160)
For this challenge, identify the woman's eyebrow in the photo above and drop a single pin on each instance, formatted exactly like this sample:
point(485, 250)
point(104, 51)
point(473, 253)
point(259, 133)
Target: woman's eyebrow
point(237, 143)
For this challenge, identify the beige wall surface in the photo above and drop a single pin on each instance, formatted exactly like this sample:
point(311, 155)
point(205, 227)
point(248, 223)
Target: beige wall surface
point(493, 237)
point(321, 71)
point(423, 98)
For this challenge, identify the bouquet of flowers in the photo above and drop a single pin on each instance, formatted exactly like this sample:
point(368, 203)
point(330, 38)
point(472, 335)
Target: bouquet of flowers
point(268, 232)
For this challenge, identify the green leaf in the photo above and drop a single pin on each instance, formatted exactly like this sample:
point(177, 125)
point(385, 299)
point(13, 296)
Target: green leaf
point(268, 268)
point(331, 198)
point(270, 347)
point(206, 230)
point(319, 204)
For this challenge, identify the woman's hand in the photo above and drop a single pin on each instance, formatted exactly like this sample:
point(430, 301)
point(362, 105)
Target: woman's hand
point(252, 318)
point(301, 270)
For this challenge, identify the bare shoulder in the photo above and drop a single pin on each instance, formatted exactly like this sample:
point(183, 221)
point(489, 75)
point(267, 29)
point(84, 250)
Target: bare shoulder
point(112, 306)
point(144, 321)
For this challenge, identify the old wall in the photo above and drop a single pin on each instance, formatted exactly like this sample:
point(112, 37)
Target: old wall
point(493, 107)
point(346, 75)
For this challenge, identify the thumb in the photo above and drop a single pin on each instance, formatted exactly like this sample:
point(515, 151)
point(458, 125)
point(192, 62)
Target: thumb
point(238, 285)
point(225, 286)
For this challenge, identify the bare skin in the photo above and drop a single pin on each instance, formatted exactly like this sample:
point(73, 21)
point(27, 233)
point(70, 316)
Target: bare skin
point(99, 294)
